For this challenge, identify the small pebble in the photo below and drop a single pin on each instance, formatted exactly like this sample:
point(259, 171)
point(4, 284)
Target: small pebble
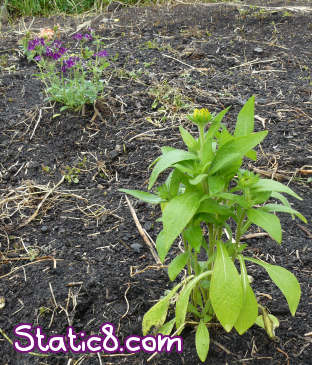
point(258, 50)
point(44, 229)
point(261, 101)
point(136, 247)
point(148, 226)
point(118, 147)
point(2, 302)
point(113, 154)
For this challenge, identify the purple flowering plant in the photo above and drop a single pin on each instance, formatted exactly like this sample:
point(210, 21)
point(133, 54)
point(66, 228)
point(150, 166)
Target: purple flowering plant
point(73, 78)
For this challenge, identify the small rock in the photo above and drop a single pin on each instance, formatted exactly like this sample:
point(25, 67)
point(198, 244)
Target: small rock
point(118, 147)
point(44, 229)
point(148, 226)
point(12, 255)
point(136, 247)
point(113, 154)
point(258, 50)
point(2, 302)
point(261, 101)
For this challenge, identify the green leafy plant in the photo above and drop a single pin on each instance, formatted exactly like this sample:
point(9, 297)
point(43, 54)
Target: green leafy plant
point(167, 98)
point(46, 8)
point(71, 79)
point(211, 202)
point(72, 174)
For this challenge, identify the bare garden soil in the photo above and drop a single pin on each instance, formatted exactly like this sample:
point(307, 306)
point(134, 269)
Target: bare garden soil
point(70, 253)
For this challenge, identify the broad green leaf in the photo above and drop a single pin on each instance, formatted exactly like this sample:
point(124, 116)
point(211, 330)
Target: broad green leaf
point(188, 139)
point(226, 293)
point(249, 311)
point(284, 209)
point(234, 150)
point(176, 215)
point(224, 137)
point(281, 198)
point(260, 197)
point(198, 179)
point(207, 154)
point(252, 155)
point(216, 184)
point(167, 328)
point(194, 236)
point(184, 169)
point(142, 195)
point(211, 206)
point(156, 315)
point(183, 300)
point(167, 160)
point(174, 181)
point(192, 309)
point(217, 220)
point(245, 118)
point(177, 265)
point(234, 198)
point(272, 185)
point(269, 222)
point(215, 125)
point(202, 341)
point(284, 280)
point(166, 149)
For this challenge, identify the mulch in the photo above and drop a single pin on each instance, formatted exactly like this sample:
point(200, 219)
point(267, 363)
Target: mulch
point(70, 253)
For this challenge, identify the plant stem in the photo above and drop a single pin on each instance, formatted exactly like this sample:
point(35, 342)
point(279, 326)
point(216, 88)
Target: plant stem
point(211, 244)
point(238, 233)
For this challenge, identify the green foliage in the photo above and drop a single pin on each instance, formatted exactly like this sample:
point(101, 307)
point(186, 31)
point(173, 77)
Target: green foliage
point(18, 8)
point(207, 188)
point(44, 7)
point(72, 174)
point(73, 80)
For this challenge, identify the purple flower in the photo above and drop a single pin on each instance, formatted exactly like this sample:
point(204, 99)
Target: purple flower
point(48, 52)
point(102, 53)
point(78, 36)
point(56, 56)
point(57, 43)
point(32, 44)
point(37, 58)
point(88, 37)
point(69, 63)
point(62, 50)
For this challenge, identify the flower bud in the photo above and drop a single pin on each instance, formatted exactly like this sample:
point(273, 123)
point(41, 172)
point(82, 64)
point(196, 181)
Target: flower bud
point(201, 117)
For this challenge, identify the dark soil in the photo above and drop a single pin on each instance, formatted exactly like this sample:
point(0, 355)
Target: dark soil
point(67, 252)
